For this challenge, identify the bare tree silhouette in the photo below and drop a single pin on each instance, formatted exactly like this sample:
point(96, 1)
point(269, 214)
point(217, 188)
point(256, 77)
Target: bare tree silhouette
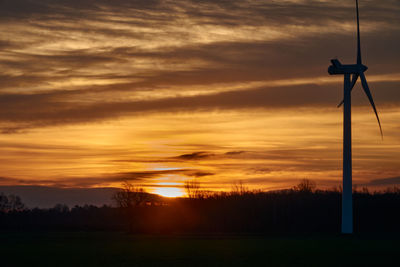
point(306, 186)
point(239, 188)
point(130, 196)
point(192, 188)
point(11, 203)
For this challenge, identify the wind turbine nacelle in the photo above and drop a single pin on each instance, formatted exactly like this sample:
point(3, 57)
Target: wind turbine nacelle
point(334, 70)
point(338, 68)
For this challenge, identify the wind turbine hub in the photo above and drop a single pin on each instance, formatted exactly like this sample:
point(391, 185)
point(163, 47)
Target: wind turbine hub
point(363, 68)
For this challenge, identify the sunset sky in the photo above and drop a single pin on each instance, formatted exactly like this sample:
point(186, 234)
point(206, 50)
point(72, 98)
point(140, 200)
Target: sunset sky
point(96, 92)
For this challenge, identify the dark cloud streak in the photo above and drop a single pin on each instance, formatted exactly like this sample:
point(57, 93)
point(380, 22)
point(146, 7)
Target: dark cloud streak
point(136, 177)
point(385, 181)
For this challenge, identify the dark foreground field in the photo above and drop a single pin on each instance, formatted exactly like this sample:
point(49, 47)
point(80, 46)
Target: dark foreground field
point(118, 249)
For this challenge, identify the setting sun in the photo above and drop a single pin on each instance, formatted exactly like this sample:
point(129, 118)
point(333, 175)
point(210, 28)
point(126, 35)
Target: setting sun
point(169, 192)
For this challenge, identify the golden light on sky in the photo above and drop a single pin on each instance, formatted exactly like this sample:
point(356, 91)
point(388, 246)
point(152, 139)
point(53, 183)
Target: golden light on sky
point(95, 93)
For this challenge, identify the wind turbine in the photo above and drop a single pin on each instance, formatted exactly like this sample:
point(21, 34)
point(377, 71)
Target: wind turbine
point(352, 71)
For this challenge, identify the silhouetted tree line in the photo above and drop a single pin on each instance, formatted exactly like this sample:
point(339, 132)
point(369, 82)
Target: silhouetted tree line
point(302, 209)
point(10, 203)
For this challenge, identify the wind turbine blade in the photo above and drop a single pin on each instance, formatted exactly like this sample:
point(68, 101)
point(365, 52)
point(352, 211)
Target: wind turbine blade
point(358, 37)
point(368, 93)
point(353, 82)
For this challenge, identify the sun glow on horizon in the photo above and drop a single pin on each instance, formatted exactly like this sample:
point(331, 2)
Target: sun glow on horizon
point(169, 192)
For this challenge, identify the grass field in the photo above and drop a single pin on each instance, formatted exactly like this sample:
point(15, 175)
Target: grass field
point(118, 249)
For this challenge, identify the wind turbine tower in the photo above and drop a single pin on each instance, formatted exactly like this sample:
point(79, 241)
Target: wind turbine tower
point(351, 73)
